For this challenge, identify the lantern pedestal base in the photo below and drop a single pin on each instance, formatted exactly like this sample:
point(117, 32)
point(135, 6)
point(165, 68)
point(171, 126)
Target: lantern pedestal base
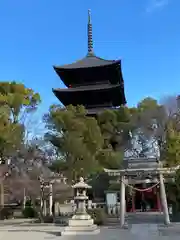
point(81, 225)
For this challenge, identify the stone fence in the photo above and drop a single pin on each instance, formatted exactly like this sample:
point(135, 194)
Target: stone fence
point(70, 208)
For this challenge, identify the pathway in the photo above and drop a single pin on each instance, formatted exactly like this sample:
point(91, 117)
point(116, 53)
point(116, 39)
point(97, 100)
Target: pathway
point(135, 232)
point(141, 226)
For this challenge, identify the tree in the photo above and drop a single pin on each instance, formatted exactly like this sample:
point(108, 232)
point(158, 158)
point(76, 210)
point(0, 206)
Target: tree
point(10, 134)
point(19, 99)
point(16, 103)
point(160, 122)
point(172, 147)
point(25, 172)
point(76, 137)
point(115, 126)
point(171, 150)
point(173, 192)
point(149, 123)
point(80, 141)
point(171, 157)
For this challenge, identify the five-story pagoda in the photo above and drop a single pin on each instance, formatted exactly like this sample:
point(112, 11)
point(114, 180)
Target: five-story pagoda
point(92, 81)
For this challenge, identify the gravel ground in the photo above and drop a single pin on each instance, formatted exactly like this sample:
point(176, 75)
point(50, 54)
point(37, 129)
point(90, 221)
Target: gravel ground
point(135, 232)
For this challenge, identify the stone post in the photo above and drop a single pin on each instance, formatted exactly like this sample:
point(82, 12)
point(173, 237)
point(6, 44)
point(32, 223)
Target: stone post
point(50, 199)
point(118, 208)
point(45, 208)
point(89, 204)
point(109, 209)
point(24, 198)
point(158, 201)
point(56, 209)
point(133, 203)
point(114, 210)
point(164, 199)
point(122, 203)
point(2, 194)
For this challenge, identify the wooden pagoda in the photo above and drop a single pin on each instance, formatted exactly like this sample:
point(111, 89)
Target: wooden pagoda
point(92, 81)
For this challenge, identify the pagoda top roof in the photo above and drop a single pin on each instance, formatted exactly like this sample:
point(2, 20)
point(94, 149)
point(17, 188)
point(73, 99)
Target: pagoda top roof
point(90, 60)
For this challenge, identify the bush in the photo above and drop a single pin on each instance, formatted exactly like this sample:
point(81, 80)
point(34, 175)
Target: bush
point(98, 215)
point(6, 213)
point(29, 212)
point(48, 219)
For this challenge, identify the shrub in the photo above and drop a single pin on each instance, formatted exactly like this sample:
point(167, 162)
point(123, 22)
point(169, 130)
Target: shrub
point(6, 213)
point(48, 219)
point(98, 215)
point(29, 212)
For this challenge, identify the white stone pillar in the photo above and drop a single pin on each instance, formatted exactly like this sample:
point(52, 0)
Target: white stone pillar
point(2, 194)
point(114, 210)
point(122, 202)
point(109, 209)
point(164, 199)
point(24, 198)
point(56, 209)
point(45, 208)
point(41, 204)
point(89, 204)
point(74, 206)
point(50, 199)
point(118, 208)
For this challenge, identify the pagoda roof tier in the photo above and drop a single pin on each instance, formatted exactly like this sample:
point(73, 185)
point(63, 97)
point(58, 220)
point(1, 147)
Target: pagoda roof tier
point(89, 87)
point(89, 69)
point(88, 62)
point(92, 95)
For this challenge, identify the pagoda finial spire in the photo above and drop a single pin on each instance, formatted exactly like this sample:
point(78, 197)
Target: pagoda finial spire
point(90, 40)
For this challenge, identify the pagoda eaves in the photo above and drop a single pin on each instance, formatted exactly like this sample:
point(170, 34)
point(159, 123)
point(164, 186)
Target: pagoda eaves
point(87, 62)
point(109, 95)
point(91, 75)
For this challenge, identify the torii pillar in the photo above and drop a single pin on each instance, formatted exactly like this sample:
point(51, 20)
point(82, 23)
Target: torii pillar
point(164, 199)
point(122, 202)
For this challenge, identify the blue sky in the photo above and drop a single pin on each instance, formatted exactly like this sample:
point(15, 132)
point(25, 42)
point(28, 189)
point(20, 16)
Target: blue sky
point(145, 34)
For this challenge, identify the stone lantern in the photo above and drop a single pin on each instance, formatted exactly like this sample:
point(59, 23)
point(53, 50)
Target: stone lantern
point(81, 223)
point(81, 199)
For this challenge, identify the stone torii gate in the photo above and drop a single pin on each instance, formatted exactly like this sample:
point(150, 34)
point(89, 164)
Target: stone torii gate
point(141, 169)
